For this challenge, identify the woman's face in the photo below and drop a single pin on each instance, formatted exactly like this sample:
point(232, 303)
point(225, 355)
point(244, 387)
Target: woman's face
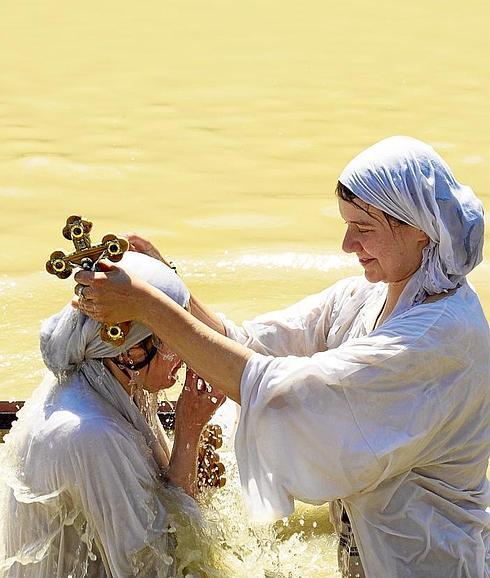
point(388, 251)
point(161, 371)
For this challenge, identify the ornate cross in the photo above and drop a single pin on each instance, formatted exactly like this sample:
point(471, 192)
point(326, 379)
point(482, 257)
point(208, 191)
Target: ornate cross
point(87, 256)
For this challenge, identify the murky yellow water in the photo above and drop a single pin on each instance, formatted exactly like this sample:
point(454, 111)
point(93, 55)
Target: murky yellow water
point(218, 129)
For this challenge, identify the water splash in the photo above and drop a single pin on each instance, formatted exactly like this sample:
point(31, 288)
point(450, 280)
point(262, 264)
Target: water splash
point(299, 546)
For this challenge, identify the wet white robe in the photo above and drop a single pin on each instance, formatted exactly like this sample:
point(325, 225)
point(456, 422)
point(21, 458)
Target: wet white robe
point(394, 421)
point(86, 499)
point(80, 493)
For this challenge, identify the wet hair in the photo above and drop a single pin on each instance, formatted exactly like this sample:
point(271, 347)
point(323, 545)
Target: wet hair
point(348, 196)
point(344, 193)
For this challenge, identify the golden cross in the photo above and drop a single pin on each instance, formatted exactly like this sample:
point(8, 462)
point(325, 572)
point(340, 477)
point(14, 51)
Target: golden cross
point(86, 256)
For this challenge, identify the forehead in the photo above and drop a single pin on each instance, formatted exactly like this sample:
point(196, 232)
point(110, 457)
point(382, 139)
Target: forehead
point(360, 213)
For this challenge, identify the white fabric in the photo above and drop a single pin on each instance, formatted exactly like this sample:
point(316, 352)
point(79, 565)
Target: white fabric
point(393, 421)
point(83, 496)
point(81, 464)
point(407, 179)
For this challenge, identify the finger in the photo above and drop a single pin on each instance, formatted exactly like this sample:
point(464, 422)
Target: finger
point(86, 277)
point(129, 237)
point(191, 377)
point(91, 310)
point(89, 277)
point(107, 266)
point(86, 307)
point(84, 291)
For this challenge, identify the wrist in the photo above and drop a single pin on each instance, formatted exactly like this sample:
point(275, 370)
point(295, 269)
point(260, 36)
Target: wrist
point(190, 435)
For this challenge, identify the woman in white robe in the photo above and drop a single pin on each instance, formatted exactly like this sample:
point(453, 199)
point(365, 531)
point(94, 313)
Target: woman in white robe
point(374, 392)
point(84, 465)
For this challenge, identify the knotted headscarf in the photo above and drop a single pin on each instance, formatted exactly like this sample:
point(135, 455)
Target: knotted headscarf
point(71, 347)
point(408, 180)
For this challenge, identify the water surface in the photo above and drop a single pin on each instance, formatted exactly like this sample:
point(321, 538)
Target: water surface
point(218, 129)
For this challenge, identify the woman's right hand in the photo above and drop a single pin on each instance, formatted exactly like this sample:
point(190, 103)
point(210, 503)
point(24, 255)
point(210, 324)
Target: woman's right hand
point(110, 295)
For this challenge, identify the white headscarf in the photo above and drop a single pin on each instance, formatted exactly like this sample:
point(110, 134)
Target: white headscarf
point(49, 473)
point(71, 344)
point(408, 180)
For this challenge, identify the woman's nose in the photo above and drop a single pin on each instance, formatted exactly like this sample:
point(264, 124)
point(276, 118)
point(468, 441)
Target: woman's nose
point(350, 242)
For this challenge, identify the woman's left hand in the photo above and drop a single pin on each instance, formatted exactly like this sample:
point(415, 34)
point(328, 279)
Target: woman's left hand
point(141, 245)
point(197, 403)
point(109, 295)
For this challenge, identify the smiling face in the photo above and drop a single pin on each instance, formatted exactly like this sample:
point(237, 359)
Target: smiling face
point(388, 251)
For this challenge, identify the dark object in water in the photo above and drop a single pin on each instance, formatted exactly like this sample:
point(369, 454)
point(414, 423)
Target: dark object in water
point(9, 409)
point(210, 470)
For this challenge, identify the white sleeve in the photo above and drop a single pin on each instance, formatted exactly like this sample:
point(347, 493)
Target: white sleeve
point(342, 421)
point(116, 484)
point(300, 329)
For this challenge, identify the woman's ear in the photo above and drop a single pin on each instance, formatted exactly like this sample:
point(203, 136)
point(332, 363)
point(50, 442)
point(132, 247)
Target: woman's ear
point(423, 238)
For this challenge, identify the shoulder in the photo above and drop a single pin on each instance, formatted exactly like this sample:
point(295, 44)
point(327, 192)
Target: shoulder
point(66, 438)
point(456, 316)
point(76, 418)
point(446, 336)
point(53, 452)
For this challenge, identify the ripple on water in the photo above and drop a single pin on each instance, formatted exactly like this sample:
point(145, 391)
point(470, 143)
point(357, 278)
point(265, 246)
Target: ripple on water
point(262, 262)
point(59, 165)
point(473, 159)
point(442, 145)
point(239, 221)
point(15, 193)
point(6, 284)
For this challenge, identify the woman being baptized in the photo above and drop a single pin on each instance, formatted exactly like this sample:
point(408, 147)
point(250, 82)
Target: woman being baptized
point(86, 465)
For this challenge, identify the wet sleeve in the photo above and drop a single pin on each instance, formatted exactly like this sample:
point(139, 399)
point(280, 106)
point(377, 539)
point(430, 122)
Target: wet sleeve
point(116, 484)
point(340, 422)
point(300, 329)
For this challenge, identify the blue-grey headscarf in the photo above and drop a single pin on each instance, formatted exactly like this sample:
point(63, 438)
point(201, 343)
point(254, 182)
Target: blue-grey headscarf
point(408, 180)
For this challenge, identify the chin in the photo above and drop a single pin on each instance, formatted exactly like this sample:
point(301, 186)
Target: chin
point(372, 277)
point(373, 273)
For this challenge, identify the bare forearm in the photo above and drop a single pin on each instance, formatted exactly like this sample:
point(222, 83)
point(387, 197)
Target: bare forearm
point(211, 355)
point(182, 470)
point(206, 315)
